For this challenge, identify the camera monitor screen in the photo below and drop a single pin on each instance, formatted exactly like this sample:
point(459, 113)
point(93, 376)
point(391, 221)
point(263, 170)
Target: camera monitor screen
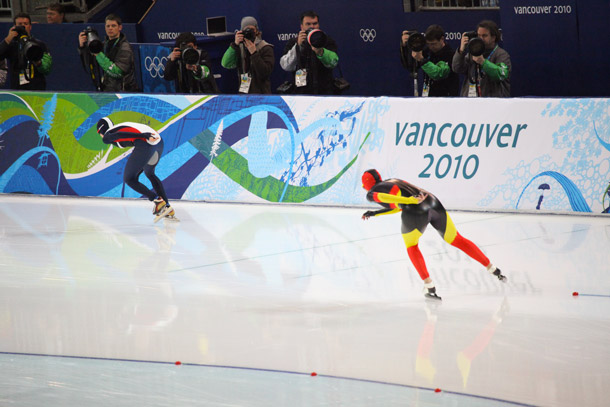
point(216, 26)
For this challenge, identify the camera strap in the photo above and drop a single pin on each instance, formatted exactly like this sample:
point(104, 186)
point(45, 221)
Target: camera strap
point(300, 75)
point(474, 89)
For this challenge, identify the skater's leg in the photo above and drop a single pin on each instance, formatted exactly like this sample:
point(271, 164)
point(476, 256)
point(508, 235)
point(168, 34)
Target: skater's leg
point(470, 249)
point(157, 185)
point(135, 164)
point(413, 226)
point(149, 171)
point(441, 221)
point(444, 225)
point(411, 239)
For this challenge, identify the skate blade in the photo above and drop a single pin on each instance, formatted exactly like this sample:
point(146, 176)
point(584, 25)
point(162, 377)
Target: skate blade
point(172, 219)
point(433, 297)
point(502, 278)
point(163, 213)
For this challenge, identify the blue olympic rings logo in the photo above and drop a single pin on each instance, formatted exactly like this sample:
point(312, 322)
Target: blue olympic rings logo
point(368, 35)
point(155, 66)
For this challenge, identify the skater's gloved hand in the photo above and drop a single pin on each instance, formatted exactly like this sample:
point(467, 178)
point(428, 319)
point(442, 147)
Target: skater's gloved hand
point(421, 197)
point(367, 214)
point(152, 138)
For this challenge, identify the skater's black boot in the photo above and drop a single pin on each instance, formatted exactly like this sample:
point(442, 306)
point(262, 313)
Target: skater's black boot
point(430, 292)
point(499, 274)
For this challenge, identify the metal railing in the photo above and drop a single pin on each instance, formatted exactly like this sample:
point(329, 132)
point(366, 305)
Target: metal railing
point(6, 5)
point(438, 5)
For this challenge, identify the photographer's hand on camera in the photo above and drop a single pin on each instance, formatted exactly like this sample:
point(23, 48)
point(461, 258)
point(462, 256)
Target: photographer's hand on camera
point(318, 51)
point(464, 43)
point(175, 55)
point(418, 56)
point(195, 68)
point(404, 38)
point(250, 46)
point(302, 38)
point(239, 37)
point(82, 39)
point(12, 34)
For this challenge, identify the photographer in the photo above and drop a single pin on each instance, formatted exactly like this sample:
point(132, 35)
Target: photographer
point(115, 58)
point(434, 58)
point(189, 67)
point(56, 14)
point(28, 58)
point(311, 59)
point(487, 66)
point(253, 58)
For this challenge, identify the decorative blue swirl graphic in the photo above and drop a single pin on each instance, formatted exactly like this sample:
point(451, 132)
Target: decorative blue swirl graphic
point(577, 201)
point(602, 142)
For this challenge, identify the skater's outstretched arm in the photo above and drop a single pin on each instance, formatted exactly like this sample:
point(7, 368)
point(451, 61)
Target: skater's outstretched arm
point(125, 137)
point(385, 211)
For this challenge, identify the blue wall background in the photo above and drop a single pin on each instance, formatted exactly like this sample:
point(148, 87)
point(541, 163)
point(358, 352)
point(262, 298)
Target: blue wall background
point(552, 54)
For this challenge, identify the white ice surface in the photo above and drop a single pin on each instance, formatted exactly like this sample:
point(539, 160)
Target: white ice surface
point(97, 303)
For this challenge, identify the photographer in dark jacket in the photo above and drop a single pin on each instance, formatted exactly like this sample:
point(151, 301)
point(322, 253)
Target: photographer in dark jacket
point(116, 59)
point(25, 74)
point(253, 58)
point(435, 60)
point(189, 67)
point(312, 66)
point(488, 74)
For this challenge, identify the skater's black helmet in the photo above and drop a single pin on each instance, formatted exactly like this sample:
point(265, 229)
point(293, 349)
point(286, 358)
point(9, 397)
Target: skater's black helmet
point(103, 125)
point(370, 178)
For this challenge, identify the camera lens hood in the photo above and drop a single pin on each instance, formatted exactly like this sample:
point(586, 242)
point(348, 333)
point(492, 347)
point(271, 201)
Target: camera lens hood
point(416, 42)
point(476, 47)
point(316, 38)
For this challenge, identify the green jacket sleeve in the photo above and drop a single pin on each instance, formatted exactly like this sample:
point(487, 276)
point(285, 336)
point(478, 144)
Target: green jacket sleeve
point(329, 58)
point(46, 63)
point(108, 66)
point(436, 71)
point(201, 73)
point(497, 72)
point(229, 59)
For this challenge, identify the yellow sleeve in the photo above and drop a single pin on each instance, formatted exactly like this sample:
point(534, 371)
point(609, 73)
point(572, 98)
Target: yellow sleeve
point(389, 198)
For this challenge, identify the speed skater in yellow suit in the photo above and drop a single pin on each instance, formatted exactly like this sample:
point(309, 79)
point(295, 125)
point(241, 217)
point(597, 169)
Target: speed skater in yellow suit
point(418, 209)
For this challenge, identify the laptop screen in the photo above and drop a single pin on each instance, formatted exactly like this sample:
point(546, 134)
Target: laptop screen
point(216, 25)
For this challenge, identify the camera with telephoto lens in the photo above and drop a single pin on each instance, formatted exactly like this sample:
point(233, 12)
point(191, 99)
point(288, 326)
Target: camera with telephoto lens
point(249, 33)
point(316, 37)
point(94, 44)
point(416, 41)
point(189, 54)
point(475, 46)
point(30, 48)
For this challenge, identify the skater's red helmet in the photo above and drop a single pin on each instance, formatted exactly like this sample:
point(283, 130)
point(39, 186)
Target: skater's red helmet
point(103, 125)
point(370, 178)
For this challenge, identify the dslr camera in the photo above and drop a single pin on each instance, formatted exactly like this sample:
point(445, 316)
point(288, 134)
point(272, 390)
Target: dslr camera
point(416, 41)
point(316, 37)
point(94, 44)
point(189, 55)
point(475, 46)
point(249, 33)
point(30, 49)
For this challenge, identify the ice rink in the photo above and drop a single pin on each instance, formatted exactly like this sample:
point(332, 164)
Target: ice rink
point(273, 305)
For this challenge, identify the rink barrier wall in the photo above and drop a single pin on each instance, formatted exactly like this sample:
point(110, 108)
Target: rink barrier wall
point(476, 154)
